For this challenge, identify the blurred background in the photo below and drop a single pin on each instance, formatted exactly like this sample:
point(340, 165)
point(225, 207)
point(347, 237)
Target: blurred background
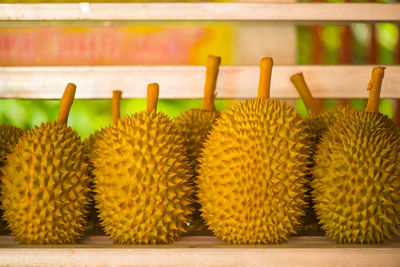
point(183, 43)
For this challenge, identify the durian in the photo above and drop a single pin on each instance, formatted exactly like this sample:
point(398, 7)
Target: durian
point(142, 178)
point(93, 221)
point(252, 168)
point(357, 174)
point(195, 125)
point(45, 182)
point(9, 136)
point(115, 109)
point(318, 122)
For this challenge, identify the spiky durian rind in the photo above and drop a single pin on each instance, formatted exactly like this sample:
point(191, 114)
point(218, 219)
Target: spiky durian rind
point(251, 175)
point(195, 125)
point(45, 186)
point(90, 141)
point(93, 223)
point(319, 124)
point(357, 179)
point(9, 136)
point(142, 180)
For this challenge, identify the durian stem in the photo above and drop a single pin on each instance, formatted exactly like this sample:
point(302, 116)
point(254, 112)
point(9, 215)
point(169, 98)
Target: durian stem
point(66, 103)
point(264, 84)
point(213, 63)
point(305, 93)
point(374, 88)
point(116, 99)
point(152, 96)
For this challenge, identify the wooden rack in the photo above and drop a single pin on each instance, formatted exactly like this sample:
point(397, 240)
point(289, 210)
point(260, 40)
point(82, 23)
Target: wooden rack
point(233, 82)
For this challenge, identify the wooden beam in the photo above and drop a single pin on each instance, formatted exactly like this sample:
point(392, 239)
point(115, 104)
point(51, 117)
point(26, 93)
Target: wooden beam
point(199, 256)
point(203, 11)
point(207, 250)
point(188, 81)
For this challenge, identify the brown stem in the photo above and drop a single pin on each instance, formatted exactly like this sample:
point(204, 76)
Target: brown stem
point(305, 93)
point(374, 88)
point(265, 77)
point(211, 82)
point(66, 103)
point(116, 99)
point(152, 96)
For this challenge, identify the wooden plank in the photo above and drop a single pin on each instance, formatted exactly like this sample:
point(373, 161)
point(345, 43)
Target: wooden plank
point(203, 11)
point(188, 81)
point(202, 256)
point(200, 251)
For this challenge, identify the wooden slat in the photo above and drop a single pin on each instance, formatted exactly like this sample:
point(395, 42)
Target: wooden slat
point(201, 251)
point(199, 256)
point(203, 11)
point(188, 81)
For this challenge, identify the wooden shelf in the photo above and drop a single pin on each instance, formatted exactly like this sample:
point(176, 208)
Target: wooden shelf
point(371, 12)
point(202, 251)
point(188, 81)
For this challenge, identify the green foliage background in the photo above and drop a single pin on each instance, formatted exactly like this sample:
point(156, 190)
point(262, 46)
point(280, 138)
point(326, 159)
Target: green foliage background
point(86, 115)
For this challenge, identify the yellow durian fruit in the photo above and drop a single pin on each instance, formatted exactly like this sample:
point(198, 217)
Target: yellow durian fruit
point(195, 124)
point(142, 178)
point(93, 221)
point(115, 109)
point(9, 136)
point(252, 168)
point(318, 122)
point(357, 174)
point(46, 183)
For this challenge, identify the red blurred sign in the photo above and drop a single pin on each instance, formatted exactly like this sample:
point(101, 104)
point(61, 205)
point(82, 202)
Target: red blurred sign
point(99, 45)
